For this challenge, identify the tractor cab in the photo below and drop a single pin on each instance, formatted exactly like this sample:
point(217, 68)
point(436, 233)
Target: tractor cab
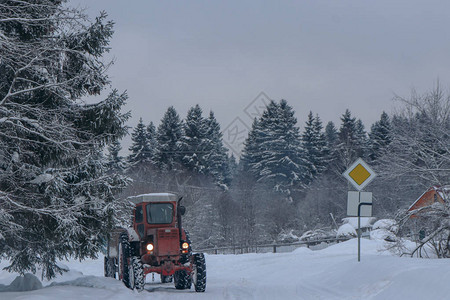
point(157, 222)
point(156, 243)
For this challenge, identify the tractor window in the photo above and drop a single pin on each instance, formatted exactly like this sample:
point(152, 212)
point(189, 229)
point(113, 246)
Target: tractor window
point(159, 213)
point(138, 214)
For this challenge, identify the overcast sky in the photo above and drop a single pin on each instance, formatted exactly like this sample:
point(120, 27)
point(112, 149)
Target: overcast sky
point(323, 56)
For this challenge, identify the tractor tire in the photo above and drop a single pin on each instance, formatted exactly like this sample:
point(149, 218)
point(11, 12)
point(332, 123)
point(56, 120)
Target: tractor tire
point(166, 279)
point(136, 274)
point(123, 256)
point(199, 272)
point(182, 280)
point(110, 267)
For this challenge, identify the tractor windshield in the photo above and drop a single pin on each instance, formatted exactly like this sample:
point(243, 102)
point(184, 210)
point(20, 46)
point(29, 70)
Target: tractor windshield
point(159, 213)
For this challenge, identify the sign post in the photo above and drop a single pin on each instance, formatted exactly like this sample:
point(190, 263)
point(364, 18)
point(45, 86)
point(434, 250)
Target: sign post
point(359, 204)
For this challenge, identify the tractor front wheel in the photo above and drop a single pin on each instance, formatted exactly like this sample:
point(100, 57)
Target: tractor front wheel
point(136, 274)
point(182, 280)
point(199, 272)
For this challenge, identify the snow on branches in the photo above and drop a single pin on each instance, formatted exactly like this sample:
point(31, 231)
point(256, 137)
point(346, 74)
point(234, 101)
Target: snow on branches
point(55, 196)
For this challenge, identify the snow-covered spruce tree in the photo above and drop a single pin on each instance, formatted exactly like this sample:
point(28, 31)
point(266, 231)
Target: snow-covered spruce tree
point(151, 138)
point(55, 196)
point(380, 136)
point(308, 142)
point(250, 154)
point(169, 153)
point(314, 145)
point(232, 165)
point(351, 143)
point(194, 141)
point(331, 135)
point(331, 140)
point(217, 161)
point(115, 162)
point(321, 144)
point(274, 152)
point(362, 139)
point(141, 166)
point(140, 148)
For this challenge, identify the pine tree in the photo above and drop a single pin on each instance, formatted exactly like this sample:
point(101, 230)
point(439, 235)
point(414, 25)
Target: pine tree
point(273, 151)
point(331, 135)
point(115, 162)
point(169, 154)
point(321, 145)
point(56, 198)
point(140, 148)
point(151, 139)
point(348, 148)
point(362, 139)
point(250, 153)
point(216, 159)
point(193, 141)
point(380, 136)
point(232, 165)
point(331, 139)
point(314, 145)
point(309, 144)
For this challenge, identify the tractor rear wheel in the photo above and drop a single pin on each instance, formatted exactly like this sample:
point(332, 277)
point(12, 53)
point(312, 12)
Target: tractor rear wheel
point(136, 274)
point(182, 280)
point(123, 256)
point(110, 268)
point(199, 273)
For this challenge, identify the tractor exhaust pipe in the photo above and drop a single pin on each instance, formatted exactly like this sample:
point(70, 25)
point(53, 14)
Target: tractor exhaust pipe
point(179, 212)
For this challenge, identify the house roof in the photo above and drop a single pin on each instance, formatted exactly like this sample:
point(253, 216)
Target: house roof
point(442, 192)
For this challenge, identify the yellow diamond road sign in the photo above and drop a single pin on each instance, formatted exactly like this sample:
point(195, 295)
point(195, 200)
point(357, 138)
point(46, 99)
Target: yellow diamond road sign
point(359, 174)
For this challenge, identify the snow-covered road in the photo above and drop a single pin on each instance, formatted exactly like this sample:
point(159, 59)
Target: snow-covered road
point(331, 273)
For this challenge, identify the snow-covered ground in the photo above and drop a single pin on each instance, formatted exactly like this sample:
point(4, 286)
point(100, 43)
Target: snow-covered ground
point(331, 273)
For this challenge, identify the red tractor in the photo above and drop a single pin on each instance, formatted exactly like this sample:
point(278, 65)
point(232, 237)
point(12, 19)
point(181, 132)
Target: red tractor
point(155, 244)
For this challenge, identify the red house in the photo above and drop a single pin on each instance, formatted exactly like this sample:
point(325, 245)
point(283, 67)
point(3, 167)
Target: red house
point(432, 195)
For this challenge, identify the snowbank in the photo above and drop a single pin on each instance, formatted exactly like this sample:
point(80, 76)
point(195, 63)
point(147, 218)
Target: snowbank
point(92, 282)
point(28, 282)
point(388, 224)
point(364, 222)
point(346, 230)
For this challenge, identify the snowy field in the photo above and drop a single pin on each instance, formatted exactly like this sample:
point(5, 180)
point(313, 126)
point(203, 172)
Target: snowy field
point(331, 273)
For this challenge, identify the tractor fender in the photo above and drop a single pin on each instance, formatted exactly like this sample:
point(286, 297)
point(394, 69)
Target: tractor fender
point(132, 235)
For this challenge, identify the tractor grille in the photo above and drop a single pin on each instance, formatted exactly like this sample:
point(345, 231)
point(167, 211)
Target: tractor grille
point(168, 242)
point(168, 233)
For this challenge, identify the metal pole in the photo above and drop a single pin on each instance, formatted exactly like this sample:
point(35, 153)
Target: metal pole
point(359, 226)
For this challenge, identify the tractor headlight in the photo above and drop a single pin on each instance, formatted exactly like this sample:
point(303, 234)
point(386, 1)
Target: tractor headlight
point(185, 245)
point(150, 247)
